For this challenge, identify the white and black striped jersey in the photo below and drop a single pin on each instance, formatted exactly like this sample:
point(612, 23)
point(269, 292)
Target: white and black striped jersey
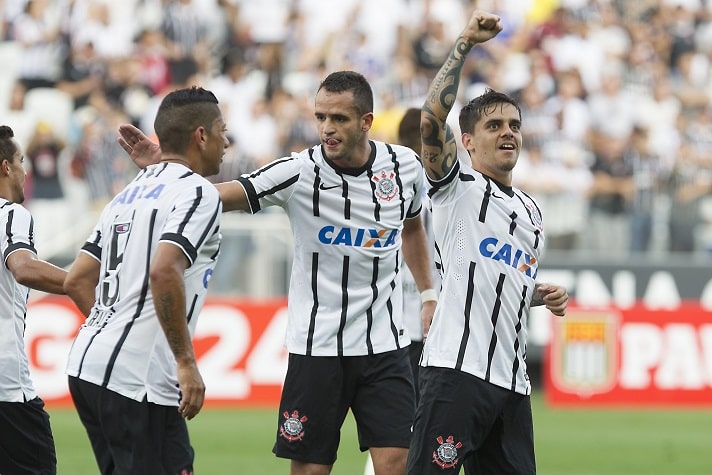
point(488, 240)
point(121, 346)
point(16, 233)
point(345, 296)
point(412, 303)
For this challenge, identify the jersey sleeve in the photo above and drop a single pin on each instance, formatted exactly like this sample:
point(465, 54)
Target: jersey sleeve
point(194, 218)
point(416, 206)
point(273, 184)
point(18, 231)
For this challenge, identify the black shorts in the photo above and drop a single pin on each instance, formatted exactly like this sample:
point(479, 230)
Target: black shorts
point(319, 390)
point(464, 420)
point(26, 442)
point(132, 437)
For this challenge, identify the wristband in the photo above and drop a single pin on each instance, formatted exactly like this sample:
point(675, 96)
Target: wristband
point(428, 295)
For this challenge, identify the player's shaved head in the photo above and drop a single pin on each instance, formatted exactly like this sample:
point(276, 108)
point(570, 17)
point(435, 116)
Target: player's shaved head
point(181, 112)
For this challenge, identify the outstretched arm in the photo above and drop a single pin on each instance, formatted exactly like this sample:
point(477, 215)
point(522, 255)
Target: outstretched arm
point(439, 153)
point(144, 152)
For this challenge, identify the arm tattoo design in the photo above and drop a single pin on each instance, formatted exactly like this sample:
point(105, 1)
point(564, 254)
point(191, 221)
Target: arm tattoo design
point(439, 152)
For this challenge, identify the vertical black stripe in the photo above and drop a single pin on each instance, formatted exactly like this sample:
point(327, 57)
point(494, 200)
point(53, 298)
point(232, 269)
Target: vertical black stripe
point(315, 197)
point(399, 181)
point(466, 314)
point(209, 228)
point(389, 306)
point(8, 226)
point(139, 307)
point(536, 239)
point(517, 329)
point(191, 211)
point(513, 223)
point(369, 312)
point(485, 202)
point(345, 195)
point(376, 204)
point(495, 316)
point(344, 306)
point(192, 307)
point(315, 299)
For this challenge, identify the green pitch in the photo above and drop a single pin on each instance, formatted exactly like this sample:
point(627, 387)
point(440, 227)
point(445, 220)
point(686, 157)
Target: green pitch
point(568, 442)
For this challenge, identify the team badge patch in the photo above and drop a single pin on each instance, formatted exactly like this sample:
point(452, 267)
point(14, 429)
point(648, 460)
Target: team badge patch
point(293, 426)
point(386, 187)
point(535, 216)
point(446, 453)
point(122, 228)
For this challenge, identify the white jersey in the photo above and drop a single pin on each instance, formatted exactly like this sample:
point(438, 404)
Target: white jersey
point(121, 346)
point(345, 296)
point(16, 232)
point(488, 240)
point(412, 304)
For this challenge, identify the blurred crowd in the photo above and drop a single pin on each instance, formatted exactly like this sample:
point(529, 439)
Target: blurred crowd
point(615, 95)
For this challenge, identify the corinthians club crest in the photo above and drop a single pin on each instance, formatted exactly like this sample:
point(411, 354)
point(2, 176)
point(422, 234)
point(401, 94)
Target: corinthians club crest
point(446, 453)
point(386, 187)
point(293, 427)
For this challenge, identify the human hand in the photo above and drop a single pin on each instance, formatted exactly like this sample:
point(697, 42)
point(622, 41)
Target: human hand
point(192, 390)
point(142, 150)
point(426, 316)
point(554, 297)
point(481, 27)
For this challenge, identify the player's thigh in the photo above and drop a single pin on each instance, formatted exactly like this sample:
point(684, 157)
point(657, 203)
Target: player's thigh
point(312, 409)
point(169, 431)
point(26, 442)
point(509, 447)
point(384, 398)
point(455, 413)
point(120, 428)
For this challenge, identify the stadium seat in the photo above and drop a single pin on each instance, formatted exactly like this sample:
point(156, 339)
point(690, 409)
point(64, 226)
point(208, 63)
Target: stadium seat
point(52, 106)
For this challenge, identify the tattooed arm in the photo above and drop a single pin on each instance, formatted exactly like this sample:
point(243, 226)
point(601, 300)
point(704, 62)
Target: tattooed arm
point(439, 152)
point(168, 290)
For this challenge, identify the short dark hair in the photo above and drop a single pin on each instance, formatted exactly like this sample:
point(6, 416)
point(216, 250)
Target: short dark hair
point(482, 105)
point(409, 130)
point(180, 113)
point(8, 147)
point(345, 81)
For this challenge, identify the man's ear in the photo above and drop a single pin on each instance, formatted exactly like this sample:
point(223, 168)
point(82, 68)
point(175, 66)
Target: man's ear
point(467, 142)
point(201, 137)
point(5, 166)
point(366, 122)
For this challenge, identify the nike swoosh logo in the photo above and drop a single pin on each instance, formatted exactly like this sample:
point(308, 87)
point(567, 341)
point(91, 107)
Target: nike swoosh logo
point(324, 187)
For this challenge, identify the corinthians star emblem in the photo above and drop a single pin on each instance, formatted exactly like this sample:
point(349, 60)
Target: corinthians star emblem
point(386, 187)
point(446, 453)
point(293, 427)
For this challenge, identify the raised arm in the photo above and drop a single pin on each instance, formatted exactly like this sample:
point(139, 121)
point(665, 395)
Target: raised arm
point(439, 153)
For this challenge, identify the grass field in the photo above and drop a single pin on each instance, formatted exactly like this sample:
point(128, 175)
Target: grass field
point(568, 442)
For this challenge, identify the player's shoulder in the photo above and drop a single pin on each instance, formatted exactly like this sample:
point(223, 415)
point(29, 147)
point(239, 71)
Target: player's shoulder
point(17, 210)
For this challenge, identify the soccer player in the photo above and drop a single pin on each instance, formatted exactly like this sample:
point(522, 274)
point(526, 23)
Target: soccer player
point(26, 442)
point(142, 279)
point(354, 207)
point(475, 394)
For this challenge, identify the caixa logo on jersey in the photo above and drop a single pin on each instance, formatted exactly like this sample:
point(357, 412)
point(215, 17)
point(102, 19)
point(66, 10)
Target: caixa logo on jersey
point(357, 237)
point(504, 252)
point(585, 352)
